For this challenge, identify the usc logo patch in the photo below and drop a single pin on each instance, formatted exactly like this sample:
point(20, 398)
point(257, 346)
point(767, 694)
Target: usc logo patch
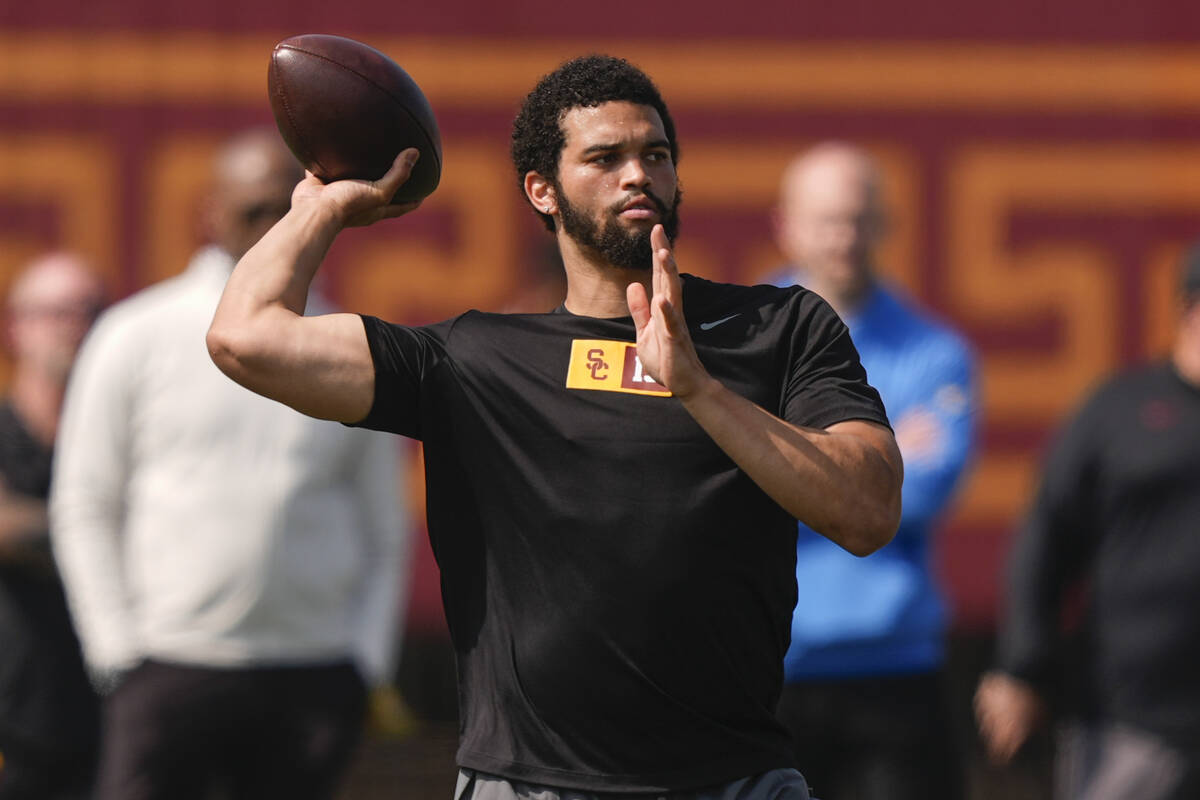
point(609, 366)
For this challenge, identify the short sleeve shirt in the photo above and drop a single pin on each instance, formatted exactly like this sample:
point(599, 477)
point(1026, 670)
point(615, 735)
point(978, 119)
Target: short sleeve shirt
point(618, 591)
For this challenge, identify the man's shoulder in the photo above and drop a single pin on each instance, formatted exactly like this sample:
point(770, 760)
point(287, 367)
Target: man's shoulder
point(1134, 379)
point(163, 299)
point(1112, 397)
point(143, 311)
point(703, 297)
point(173, 311)
point(695, 284)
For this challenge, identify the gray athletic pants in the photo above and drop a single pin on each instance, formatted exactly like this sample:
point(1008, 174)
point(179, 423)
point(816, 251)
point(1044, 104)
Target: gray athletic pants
point(1111, 761)
point(778, 784)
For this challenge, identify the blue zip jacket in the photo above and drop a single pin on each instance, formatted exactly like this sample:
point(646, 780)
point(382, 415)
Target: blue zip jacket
point(884, 614)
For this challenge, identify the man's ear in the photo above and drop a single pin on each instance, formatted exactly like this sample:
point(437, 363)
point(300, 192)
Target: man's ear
point(540, 192)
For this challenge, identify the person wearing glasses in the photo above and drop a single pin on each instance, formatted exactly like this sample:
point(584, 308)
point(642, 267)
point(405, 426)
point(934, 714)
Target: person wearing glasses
point(48, 712)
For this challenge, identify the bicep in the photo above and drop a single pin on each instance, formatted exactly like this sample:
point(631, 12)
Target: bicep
point(321, 365)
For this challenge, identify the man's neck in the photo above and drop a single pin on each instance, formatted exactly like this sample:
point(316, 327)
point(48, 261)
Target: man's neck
point(596, 288)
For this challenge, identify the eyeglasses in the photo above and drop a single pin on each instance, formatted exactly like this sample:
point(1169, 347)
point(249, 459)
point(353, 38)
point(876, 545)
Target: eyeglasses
point(66, 312)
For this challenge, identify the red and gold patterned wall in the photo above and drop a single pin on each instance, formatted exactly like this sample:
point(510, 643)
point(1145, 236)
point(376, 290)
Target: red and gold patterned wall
point(1043, 167)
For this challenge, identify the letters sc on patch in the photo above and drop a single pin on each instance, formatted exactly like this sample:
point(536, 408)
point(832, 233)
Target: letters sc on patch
point(608, 366)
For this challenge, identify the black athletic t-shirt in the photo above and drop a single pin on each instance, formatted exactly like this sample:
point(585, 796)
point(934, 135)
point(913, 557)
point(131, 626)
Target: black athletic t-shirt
point(1119, 508)
point(619, 593)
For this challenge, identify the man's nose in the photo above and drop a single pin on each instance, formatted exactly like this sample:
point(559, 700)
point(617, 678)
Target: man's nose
point(845, 236)
point(634, 174)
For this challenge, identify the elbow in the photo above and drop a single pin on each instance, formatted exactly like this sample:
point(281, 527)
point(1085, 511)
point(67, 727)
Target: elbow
point(867, 536)
point(228, 350)
point(877, 518)
point(222, 348)
point(871, 526)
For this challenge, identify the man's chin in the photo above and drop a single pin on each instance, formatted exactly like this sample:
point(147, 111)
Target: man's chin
point(842, 274)
point(634, 258)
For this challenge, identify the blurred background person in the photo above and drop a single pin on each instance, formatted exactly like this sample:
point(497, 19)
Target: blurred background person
point(234, 567)
point(48, 712)
point(1117, 514)
point(864, 696)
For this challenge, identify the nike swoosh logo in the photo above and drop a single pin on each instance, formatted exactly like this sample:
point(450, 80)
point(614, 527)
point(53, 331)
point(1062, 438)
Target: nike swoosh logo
point(708, 326)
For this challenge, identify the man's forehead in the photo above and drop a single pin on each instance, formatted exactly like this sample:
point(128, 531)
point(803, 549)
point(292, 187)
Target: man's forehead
point(825, 189)
point(60, 277)
point(613, 122)
point(256, 168)
point(831, 172)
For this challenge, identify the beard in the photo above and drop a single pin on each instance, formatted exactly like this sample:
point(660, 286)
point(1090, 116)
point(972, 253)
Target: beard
point(623, 247)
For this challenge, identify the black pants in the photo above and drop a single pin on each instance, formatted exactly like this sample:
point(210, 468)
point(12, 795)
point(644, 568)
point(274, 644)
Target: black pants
point(874, 739)
point(177, 733)
point(35, 774)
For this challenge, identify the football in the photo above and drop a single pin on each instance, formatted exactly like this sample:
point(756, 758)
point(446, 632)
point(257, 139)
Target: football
point(346, 110)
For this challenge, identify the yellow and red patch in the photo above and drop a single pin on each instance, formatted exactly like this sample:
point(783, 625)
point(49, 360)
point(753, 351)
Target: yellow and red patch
point(609, 366)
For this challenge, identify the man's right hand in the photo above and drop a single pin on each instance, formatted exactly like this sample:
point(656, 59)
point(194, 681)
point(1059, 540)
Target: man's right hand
point(1007, 710)
point(355, 203)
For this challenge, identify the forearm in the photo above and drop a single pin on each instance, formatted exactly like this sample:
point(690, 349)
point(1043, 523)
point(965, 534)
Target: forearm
point(274, 276)
point(320, 366)
point(843, 482)
point(1027, 641)
point(271, 281)
point(87, 549)
point(267, 294)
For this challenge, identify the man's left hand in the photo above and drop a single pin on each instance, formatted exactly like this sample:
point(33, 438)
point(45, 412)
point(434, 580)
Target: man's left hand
point(664, 344)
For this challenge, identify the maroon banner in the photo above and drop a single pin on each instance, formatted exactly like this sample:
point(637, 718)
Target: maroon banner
point(1042, 167)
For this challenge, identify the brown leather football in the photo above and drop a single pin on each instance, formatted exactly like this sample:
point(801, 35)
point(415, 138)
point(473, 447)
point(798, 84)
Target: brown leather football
point(346, 110)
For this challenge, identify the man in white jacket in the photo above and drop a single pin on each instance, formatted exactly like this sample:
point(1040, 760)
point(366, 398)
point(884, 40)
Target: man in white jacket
point(234, 567)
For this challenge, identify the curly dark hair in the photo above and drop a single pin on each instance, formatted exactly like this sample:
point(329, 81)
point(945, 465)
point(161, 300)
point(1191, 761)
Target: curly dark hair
point(585, 82)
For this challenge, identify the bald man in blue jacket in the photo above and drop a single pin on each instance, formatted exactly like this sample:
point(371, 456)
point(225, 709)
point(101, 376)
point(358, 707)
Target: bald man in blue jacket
point(864, 696)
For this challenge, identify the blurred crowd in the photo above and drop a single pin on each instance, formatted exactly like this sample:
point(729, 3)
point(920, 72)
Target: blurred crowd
point(236, 572)
point(205, 592)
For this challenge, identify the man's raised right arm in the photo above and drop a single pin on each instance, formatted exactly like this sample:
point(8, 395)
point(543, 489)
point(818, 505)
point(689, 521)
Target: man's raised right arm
point(320, 365)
